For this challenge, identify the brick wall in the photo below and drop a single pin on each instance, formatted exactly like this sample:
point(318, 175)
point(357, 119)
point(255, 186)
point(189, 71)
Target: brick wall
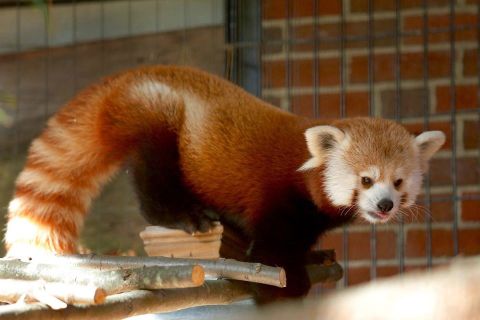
point(394, 55)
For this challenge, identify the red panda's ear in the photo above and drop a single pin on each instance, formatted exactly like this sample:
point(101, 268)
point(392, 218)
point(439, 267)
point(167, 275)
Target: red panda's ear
point(428, 143)
point(321, 140)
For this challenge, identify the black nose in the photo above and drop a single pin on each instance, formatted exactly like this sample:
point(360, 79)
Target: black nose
point(385, 205)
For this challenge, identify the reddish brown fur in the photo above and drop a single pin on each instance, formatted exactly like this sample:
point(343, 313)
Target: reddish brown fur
point(381, 144)
point(233, 153)
point(104, 125)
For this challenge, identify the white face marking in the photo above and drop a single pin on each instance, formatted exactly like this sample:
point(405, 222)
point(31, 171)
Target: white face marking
point(340, 179)
point(372, 172)
point(368, 200)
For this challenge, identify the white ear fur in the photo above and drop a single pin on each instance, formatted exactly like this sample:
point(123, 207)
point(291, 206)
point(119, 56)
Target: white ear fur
point(428, 143)
point(320, 140)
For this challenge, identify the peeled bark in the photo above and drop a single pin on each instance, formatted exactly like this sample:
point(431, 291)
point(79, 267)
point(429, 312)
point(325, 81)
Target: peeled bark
point(112, 281)
point(219, 268)
point(137, 302)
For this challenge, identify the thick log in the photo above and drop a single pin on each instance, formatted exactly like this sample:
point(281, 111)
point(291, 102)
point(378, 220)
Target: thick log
point(138, 302)
point(112, 281)
point(219, 268)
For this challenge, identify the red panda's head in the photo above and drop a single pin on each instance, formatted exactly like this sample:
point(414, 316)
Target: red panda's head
point(373, 165)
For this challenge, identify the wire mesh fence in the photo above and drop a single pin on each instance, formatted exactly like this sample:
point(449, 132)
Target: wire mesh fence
point(413, 61)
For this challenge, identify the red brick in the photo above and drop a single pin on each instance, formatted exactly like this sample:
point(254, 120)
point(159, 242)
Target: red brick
point(355, 34)
point(464, 22)
point(410, 66)
point(273, 9)
point(327, 34)
point(359, 245)
point(389, 5)
point(328, 72)
point(278, 9)
point(356, 104)
point(465, 97)
point(444, 126)
point(442, 243)
point(412, 101)
point(471, 134)
point(468, 172)
point(386, 244)
point(358, 275)
point(333, 240)
point(301, 73)
point(305, 8)
point(328, 106)
point(469, 241)
point(383, 272)
point(470, 63)
point(273, 74)
point(471, 208)
point(270, 36)
point(441, 209)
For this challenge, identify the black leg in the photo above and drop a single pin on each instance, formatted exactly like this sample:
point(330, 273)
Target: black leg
point(283, 238)
point(163, 197)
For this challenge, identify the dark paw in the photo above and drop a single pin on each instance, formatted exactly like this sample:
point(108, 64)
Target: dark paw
point(197, 221)
point(194, 225)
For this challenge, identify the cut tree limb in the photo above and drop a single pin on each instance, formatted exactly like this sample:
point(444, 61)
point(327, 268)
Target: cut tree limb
point(112, 281)
point(12, 290)
point(219, 268)
point(324, 273)
point(138, 302)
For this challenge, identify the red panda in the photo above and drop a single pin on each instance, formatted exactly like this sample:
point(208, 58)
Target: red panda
point(194, 142)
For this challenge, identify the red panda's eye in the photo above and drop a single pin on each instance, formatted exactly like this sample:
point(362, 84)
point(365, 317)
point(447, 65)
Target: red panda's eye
point(367, 182)
point(397, 183)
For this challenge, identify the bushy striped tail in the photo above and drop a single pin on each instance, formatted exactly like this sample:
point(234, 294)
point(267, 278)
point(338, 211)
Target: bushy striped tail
point(81, 148)
point(65, 169)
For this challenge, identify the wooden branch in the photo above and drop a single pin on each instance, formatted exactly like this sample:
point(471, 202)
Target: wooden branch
point(322, 267)
point(112, 281)
point(318, 273)
point(138, 302)
point(220, 268)
point(12, 290)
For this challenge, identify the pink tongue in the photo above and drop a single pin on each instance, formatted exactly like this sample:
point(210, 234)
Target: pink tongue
point(381, 214)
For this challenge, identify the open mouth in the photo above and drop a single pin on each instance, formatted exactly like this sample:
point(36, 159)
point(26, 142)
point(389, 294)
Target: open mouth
point(380, 215)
